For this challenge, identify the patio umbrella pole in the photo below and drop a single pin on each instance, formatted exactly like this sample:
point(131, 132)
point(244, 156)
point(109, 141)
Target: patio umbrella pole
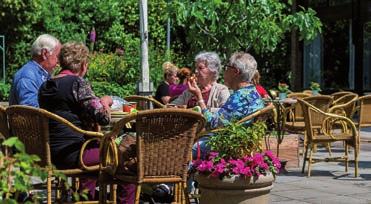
point(144, 86)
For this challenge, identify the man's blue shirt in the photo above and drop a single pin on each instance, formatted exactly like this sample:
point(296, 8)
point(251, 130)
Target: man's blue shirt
point(26, 84)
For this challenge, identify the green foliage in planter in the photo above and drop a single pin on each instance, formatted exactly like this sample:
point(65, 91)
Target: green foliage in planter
point(4, 91)
point(238, 140)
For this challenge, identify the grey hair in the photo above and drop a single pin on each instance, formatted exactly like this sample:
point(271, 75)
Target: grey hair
point(212, 61)
point(44, 41)
point(246, 63)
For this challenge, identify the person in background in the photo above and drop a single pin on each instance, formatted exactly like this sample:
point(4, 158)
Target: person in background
point(207, 72)
point(71, 97)
point(27, 81)
point(170, 76)
point(244, 101)
point(261, 90)
point(176, 89)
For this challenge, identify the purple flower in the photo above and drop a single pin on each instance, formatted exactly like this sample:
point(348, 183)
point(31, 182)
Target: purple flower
point(213, 155)
point(205, 166)
point(92, 35)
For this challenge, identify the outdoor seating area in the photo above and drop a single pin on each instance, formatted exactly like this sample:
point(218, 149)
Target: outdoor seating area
point(327, 130)
point(185, 101)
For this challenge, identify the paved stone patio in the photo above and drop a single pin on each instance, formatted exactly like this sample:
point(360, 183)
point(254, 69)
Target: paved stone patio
point(329, 183)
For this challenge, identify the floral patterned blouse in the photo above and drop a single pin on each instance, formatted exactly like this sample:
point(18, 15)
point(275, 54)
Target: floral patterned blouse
point(241, 103)
point(72, 98)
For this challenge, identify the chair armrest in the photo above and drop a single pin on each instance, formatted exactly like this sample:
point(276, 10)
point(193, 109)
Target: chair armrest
point(82, 164)
point(109, 158)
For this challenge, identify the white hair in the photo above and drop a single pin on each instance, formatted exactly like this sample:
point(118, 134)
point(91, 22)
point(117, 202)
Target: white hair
point(44, 41)
point(245, 63)
point(212, 61)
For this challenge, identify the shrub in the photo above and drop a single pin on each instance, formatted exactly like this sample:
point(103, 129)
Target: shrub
point(4, 91)
point(112, 89)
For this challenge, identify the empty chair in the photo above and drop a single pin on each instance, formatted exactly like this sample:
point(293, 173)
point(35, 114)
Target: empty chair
point(316, 119)
point(297, 113)
point(322, 102)
point(345, 99)
point(339, 94)
point(345, 105)
point(364, 115)
point(145, 102)
point(164, 138)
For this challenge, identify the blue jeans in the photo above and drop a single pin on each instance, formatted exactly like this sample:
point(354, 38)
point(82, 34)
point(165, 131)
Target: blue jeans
point(202, 145)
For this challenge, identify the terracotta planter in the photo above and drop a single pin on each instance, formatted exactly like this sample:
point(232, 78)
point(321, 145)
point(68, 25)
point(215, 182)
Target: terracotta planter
point(235, 190)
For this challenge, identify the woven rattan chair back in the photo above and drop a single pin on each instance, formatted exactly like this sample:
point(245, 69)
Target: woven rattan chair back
point(307, 92)
point(164, 141)
point(323, 103)
point(31, 126)
point(346, 106)
point(365, 111)
point(4, 127)
point(345, 99)
point(261, 115)
point(298, 112)
point(339, 94)
point(145, 102)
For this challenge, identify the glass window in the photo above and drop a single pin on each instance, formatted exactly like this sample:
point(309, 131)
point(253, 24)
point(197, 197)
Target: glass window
point(367, 56)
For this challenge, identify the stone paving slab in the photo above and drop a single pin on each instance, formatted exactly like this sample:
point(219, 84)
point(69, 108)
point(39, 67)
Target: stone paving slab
point(329, 183)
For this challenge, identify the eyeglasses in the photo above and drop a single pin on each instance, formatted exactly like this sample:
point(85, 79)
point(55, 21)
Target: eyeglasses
point(228, 66)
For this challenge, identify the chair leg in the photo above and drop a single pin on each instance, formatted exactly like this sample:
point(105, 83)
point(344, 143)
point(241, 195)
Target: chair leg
point(113, 190)
point(310, 159)
point(49, 187)
point(356, 153)
point(185, 193)
point(346, 163)
point(137, 193)
point(328, 147)
point(176, 193)
point(305, 157)
point(102, 188)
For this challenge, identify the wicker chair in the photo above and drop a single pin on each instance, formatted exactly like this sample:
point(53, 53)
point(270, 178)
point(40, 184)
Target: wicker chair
point(31, 126)
point(364, 115)
point(345, 105)
point(315, 119)
point(345, 99)
point(308, 92)
point(297, 114)
point(339, 94)
point(145, 102)
point(164, 142)
point(322, 102)
point(4, 128)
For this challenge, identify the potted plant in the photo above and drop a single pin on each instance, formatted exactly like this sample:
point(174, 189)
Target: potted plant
point(283, 89)
point(315, 87)
point(235, 170)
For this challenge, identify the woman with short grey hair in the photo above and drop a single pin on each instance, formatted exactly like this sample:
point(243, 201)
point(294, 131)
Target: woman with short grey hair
point(245, 99)
point(207, 72)
point(212, 60)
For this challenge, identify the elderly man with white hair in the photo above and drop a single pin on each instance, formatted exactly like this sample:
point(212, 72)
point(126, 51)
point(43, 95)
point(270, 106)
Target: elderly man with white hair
point(245, 99)
point(27, 81)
